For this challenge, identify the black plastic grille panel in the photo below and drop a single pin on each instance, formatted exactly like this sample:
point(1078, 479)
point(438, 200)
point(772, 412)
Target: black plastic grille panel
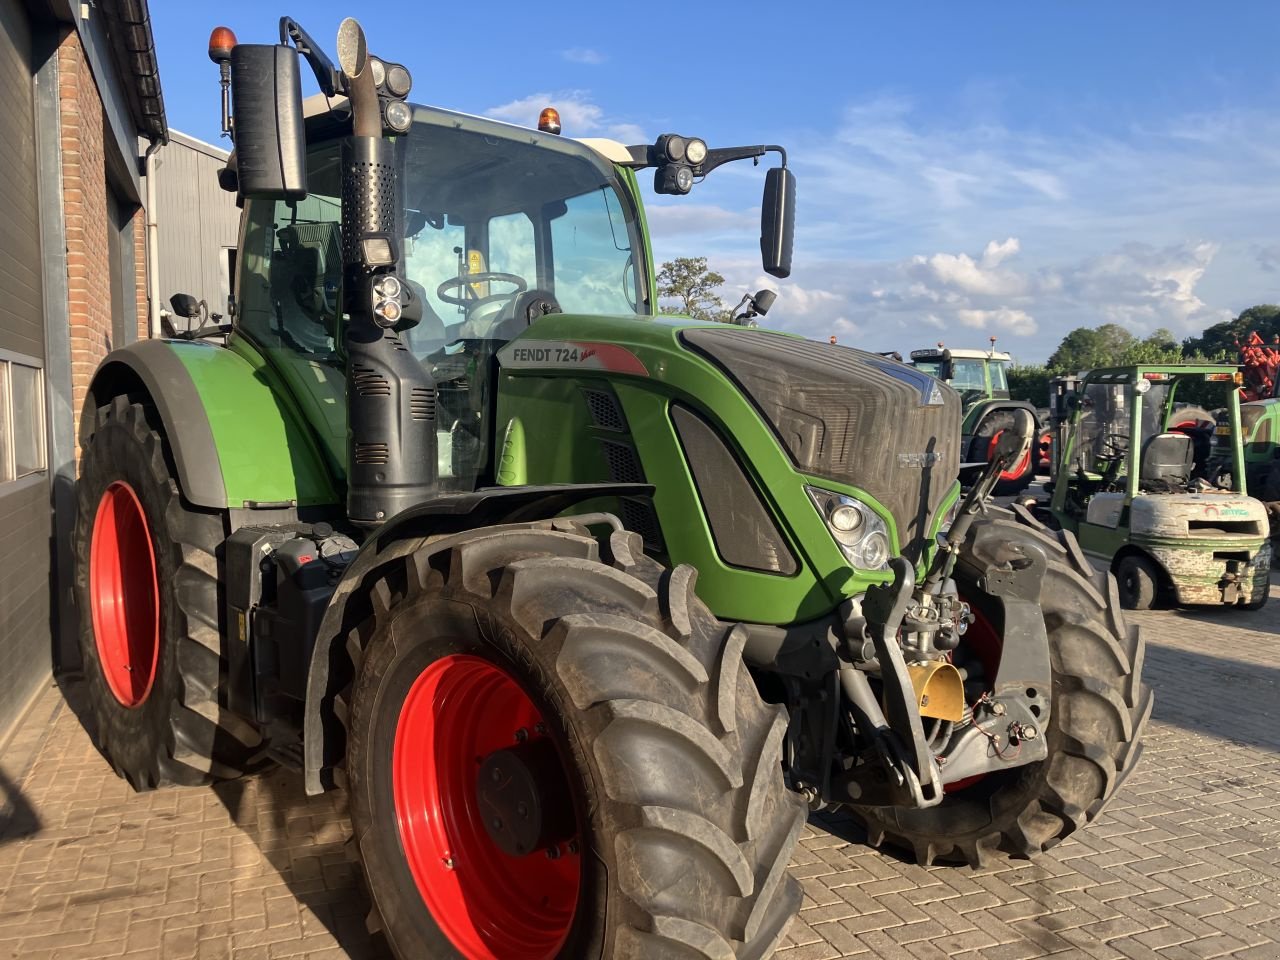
point(744, 532)
point(849, 415)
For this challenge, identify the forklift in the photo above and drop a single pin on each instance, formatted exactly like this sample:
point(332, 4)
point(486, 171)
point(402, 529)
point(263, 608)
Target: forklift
point(1131, 479)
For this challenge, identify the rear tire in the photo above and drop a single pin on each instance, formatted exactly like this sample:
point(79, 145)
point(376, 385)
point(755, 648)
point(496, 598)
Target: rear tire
point(1138, 582)
point(682, 825)
point(170, 728)
point(1094, 732)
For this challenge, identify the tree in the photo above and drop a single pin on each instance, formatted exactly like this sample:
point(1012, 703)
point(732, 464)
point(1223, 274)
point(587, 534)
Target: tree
point(690, 281)
point(1219, 341)
point(1087, 347)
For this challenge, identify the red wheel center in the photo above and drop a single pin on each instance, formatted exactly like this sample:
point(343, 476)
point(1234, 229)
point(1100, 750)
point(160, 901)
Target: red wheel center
point(1018, 469)
point(124, 595)
point(459, 713)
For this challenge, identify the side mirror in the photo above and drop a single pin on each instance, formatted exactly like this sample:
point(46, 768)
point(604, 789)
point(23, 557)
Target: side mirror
point(947, 371)
point(185, 305)
point(778, 221)
point(266, 96)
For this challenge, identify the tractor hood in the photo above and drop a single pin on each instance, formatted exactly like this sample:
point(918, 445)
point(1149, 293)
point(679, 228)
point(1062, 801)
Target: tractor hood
point(853, 417)
point(1203, 516)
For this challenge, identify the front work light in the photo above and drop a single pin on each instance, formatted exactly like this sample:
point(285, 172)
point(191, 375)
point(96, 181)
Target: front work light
point(858, 531)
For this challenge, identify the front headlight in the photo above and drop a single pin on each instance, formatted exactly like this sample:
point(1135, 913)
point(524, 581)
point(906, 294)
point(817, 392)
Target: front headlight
point(858, 531)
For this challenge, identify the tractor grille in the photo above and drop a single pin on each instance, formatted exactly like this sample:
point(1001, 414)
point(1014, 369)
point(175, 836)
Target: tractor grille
point(854, 417)
point(624, 465)
point(741, 526)
point(604, 409)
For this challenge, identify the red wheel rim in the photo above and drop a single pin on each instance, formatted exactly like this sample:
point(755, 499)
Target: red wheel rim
point(491, 905)
point(124, 595)
point(1019, 469)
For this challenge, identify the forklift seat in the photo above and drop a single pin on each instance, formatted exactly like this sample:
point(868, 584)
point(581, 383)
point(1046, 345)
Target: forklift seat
point(1167, 458)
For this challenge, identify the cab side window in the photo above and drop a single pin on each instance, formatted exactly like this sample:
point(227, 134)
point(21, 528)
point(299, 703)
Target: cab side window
point(291, 276)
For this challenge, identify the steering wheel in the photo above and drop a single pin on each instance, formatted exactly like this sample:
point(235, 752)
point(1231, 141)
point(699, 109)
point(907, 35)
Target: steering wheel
point(1117, 445)
point(472, 301)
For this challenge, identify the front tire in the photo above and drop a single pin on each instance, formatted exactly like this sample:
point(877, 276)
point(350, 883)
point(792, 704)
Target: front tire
point(628, 717)
point(1138, 582)
point(147, 591)
point(1100, 708)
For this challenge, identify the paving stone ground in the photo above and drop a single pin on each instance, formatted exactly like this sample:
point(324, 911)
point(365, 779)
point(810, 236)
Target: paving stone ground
point(1184, 864)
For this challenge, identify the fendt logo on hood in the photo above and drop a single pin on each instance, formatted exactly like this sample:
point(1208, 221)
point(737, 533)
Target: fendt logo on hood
point(570, 355)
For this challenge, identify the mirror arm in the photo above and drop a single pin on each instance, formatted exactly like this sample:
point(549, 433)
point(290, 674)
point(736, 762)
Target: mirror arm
point(645, 155)
point(330, 80)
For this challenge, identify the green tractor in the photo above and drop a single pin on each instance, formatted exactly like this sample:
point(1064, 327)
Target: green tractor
point(585, 608)
point(982, 379)
point(1134, 479)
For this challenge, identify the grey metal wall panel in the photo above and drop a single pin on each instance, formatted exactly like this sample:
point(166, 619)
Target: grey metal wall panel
point(24, 596)
point(196, 219)
point(24, 504)
point(21, 302)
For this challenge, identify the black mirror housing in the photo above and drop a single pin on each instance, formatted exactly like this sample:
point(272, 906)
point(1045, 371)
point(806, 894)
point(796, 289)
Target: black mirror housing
point(185, 305)
point(778, 221)
point(266, 96)
point(764, 300)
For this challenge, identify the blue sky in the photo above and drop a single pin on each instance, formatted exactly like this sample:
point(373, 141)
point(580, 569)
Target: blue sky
point(965, 169)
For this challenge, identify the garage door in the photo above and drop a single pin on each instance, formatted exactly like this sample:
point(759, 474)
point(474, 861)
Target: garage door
point(24, 485)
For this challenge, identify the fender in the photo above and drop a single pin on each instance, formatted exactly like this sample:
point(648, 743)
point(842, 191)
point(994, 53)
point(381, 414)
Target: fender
point(323, 733)
point(974, 416)
point(238, 441)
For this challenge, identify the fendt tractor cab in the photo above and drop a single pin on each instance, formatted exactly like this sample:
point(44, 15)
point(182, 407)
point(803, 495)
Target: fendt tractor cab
point(981, 377)
point(1133, 481)
point(583, 607)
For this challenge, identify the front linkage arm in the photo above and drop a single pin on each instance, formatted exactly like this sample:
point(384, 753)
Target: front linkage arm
point(886, 756)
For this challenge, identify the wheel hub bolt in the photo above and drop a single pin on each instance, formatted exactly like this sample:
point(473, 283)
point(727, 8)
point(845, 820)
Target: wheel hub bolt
point(522, 735)
point(553, 852)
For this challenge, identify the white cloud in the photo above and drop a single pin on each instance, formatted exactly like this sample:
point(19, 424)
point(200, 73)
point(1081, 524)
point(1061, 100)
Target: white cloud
point(690, 217)
point(583, 55)
point(1002, 320)
point(579, 115)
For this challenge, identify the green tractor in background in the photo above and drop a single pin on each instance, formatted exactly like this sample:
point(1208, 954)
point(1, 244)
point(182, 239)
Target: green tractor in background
point(982, 379)
point(1134, 480)
point(584, 607)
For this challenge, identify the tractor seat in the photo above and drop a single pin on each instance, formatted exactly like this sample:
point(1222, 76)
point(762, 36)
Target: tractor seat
point(1167, 458)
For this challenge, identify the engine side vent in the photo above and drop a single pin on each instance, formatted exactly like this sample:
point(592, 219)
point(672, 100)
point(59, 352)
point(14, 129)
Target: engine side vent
point(373, 454)
point(744, 532)
point(422, 403)
point(397, 343)
point(639, 515)
point(605, 412)
point(369, 382)
point(624, 465)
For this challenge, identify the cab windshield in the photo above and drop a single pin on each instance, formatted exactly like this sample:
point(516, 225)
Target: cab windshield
point(526, 214)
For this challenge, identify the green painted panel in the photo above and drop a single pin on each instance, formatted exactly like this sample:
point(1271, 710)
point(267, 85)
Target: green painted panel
point(267, 453)
point(642, 362)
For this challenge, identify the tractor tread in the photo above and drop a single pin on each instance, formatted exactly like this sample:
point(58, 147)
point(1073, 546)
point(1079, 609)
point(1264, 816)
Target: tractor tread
point(196, 740)
point(689, 771)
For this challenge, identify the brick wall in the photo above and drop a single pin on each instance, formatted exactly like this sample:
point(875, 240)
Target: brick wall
point(140, 270)
point(84, 186)
point(84, 194)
